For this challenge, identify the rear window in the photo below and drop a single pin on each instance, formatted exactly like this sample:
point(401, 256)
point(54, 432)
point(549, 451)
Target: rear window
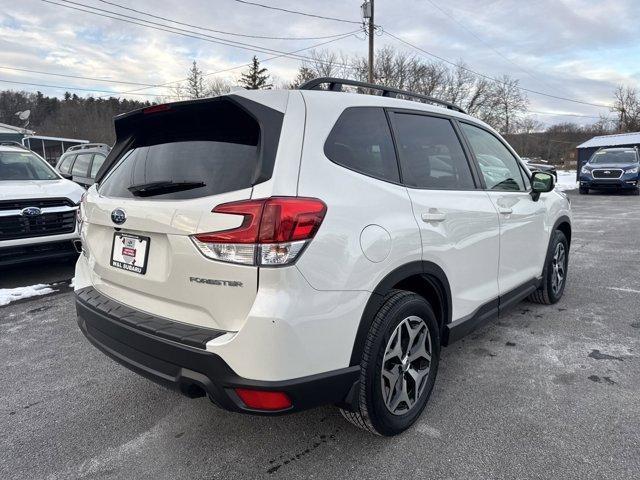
point(195, 151)
point(361, 141)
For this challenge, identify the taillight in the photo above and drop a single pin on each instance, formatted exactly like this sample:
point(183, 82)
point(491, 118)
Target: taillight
point(273, 232)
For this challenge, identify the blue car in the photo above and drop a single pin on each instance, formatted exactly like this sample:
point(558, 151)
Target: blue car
point(611, 169)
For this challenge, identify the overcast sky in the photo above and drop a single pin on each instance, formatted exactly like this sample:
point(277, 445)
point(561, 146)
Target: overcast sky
point(579, 49)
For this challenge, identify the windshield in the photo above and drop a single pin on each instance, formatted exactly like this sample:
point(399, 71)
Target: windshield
point(24, 166)
point(614, 156)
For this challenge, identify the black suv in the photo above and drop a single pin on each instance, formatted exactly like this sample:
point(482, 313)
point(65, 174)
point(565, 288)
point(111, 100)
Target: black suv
point(82, 162)
point(611, 169)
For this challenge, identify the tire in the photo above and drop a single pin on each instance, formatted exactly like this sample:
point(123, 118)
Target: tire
point(583, 191)
point(403, 316)
point(636, 192)
point(550, 291)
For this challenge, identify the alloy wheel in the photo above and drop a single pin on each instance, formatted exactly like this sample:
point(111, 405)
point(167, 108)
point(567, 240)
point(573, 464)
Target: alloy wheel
point(406, 365)
point(559, 267)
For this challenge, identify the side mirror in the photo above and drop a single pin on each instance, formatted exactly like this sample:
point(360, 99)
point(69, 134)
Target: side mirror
point(67, 176)
point(541, 182)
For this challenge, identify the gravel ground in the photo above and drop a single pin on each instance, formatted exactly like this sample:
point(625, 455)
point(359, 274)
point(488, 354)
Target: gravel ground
point(544, 392)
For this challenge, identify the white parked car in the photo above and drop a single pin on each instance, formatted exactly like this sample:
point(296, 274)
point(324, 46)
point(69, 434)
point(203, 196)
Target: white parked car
point(280, 250)
point(37, 209)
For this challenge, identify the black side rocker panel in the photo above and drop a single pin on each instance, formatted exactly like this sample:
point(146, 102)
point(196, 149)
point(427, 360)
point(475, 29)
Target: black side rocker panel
point(190, 369)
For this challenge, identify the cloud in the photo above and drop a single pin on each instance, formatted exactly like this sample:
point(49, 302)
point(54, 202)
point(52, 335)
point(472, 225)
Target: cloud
point(573, 48)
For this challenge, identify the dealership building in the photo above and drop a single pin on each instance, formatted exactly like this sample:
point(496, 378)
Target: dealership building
point(49, 148)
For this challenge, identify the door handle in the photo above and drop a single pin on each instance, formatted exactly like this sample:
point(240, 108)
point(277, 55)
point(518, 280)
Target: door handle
point(505, 210)
point(433, 216)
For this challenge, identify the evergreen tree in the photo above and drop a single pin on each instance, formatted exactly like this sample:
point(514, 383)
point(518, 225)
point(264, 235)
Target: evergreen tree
point(256, 78)
point(195, 83)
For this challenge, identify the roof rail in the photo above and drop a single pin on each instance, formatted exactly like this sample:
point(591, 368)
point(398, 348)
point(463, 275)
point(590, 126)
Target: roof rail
point(83, 146)
point(335, 85)
point(9, 143)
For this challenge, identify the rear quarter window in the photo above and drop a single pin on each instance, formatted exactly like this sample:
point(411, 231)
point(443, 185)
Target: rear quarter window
point(361, 141)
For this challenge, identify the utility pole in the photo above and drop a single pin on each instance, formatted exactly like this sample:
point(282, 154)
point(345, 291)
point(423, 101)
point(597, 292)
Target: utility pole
point(367, 13)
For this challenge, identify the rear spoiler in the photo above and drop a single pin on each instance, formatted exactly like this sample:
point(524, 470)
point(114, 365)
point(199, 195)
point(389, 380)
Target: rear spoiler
point(127, 125)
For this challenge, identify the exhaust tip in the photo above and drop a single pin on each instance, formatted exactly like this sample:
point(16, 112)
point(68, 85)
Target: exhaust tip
point(77, 244)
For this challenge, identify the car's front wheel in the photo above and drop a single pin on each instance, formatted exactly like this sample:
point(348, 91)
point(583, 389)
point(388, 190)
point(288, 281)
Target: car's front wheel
point(583, 191)
point(554, 274)
point(399, 365)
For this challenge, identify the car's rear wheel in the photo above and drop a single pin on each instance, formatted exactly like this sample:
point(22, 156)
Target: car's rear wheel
point(399, 365)
point(554, 274)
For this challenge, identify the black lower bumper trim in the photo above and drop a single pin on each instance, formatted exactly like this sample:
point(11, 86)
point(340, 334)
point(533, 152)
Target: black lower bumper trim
point(190, 369)
point(36, 252)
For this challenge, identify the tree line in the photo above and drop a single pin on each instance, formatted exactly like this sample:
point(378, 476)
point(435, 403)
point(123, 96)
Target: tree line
point(499, 102)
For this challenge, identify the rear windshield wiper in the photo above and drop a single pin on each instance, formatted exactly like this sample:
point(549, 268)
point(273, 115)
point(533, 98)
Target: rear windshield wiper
point(162, 187)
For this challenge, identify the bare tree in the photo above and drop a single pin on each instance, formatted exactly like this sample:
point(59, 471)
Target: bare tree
point(627, 107)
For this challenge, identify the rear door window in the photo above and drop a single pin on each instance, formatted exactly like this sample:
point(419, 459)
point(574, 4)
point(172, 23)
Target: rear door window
point(361, 141)
point(81, 165)
point(431, 155)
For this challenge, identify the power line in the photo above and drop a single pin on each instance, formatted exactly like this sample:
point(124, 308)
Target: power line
point(180, 31)
point(121, 82)
point(62, 87)
point(255, 4)
point(263, 37)
point(489, 77)
point(498, 52)
point(557, 114)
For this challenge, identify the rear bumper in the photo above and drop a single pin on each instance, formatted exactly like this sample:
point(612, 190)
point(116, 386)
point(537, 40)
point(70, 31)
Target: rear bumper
point(13, 255)
point(165, 353)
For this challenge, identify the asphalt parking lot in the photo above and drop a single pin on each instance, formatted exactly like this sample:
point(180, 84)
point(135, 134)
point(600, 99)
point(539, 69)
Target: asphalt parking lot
point(544, 392)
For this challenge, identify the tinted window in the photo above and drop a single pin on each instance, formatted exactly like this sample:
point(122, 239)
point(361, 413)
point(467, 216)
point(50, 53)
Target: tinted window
point(614, 156)
point(431, 155)
point(65, 165)
point(499, 167)
point(361, 141)
point(81, 166)
point(98, 160)
point(194, 151)
point(24, 166)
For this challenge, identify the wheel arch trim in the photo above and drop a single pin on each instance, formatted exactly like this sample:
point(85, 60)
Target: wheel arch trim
point(433, 276)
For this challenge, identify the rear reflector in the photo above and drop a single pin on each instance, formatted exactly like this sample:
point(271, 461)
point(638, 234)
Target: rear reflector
point(263, 400)
point(273, 232)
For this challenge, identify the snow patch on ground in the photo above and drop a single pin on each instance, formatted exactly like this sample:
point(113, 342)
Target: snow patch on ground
point(566, 180)
point(8, 295)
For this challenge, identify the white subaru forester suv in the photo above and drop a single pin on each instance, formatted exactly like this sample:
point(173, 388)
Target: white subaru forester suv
point(280, 250)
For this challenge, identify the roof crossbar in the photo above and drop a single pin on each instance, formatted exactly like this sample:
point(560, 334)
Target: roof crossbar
point(335, 85)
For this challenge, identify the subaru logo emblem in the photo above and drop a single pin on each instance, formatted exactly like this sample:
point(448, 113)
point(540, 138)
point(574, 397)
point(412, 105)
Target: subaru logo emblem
point(607, 171)
point(118, 216)
point(30, 212)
